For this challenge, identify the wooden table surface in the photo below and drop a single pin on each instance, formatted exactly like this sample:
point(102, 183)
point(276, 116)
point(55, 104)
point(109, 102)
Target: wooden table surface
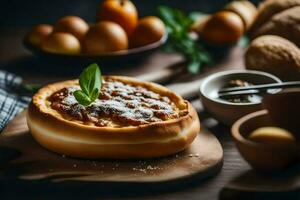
point(13, 57)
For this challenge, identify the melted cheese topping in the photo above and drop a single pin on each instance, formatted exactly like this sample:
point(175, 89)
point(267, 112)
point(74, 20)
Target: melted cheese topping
point(118, 105)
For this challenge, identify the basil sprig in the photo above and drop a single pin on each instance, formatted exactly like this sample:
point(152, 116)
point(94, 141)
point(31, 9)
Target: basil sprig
point(179, 40)
point(90, 84)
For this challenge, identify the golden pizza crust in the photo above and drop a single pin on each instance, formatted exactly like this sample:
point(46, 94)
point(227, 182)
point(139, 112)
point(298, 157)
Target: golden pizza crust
point(75, 139)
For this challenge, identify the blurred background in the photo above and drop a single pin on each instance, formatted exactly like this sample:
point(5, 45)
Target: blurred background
point(18, 17)
point(30, 12)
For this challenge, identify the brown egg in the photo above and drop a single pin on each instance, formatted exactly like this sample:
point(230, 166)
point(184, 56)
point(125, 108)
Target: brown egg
point(149, 29)
point(72, 24)
point(62, 43)
point(272, 136)
point(38, 34)
point(224, 27)
point(105, 37)
point(245, 9)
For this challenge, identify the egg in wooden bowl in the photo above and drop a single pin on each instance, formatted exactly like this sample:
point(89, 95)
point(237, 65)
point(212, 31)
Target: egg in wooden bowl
point(264, 145)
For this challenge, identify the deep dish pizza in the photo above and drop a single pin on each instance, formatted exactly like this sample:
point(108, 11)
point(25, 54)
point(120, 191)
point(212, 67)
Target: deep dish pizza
point(129, 119)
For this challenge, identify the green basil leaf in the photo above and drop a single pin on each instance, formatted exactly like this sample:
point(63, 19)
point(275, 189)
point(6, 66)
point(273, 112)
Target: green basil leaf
point(90, 82)
point(90, 79)
point(179, 40)
point(194, 66)
point(94, 94)
point(82, 98)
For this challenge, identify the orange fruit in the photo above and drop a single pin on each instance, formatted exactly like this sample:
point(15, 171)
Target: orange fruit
point(62, 43)
point(105, 37)
point(149, 29)
point(123, 12)
point(72, 24)
point(39, 33)
point(223, 27)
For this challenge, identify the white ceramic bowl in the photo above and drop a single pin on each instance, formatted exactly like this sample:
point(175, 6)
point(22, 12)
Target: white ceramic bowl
point(227, 112)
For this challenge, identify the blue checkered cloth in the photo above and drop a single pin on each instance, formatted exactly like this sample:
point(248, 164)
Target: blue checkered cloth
point(11, 103)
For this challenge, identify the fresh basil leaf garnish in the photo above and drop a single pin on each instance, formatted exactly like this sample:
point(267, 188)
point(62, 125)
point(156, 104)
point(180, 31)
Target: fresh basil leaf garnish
point(90, 84)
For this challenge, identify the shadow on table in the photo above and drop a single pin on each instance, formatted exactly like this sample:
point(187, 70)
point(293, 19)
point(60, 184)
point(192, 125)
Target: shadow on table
point(254, 185)
point(44, 189)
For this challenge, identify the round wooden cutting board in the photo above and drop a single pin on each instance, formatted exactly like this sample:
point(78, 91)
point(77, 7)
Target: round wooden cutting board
point(24, 160)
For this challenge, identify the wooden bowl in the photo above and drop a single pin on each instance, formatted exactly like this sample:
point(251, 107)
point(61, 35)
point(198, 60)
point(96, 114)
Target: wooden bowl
point(261, 156)
point(117, 57)
point(284, 109)
point(225, 111)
